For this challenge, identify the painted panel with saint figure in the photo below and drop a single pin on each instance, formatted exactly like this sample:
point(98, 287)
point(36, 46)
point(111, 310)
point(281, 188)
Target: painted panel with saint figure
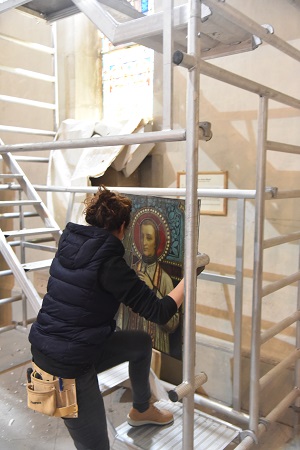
point(154, 248)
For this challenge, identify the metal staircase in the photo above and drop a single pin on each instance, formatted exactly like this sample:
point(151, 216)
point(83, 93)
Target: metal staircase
point(24, 237)
point(26, 226)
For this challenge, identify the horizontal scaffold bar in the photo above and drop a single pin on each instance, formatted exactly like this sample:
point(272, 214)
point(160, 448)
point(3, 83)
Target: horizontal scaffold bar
point(170, 192)
point(278, 327)
point(286, 281)
point(270, 192)
point(214, 404)
point(285, 238)
point(220, 74)
point(281, 147)
point(279, 368)
point(103, 141)
point(294, 193)
point(273, 416)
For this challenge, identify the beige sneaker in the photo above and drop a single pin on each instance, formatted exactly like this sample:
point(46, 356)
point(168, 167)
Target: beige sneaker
point(152, 416)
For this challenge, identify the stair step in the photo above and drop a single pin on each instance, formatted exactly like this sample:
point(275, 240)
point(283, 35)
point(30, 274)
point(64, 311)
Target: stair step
point(30, 232)
point(4, 273)
point(39, 159)
point(10, 175)
point(113, 377)
point(30, 243)
point(16, 215)
point(6, 300)
point(37, 265)
point(210, 433)
point(19, 203)
point(38, 246)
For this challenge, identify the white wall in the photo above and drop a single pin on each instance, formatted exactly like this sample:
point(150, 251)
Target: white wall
point(79, 69)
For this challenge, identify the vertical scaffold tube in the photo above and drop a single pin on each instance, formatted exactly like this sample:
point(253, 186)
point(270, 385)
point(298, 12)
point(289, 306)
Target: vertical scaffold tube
point(56, 121)
point(191, 231)
point(297, 368)
point(167, 65)
point(258, 264)
point(238, 307)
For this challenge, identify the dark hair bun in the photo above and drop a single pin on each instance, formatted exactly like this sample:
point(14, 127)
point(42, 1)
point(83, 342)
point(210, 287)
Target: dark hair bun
point(107, 209)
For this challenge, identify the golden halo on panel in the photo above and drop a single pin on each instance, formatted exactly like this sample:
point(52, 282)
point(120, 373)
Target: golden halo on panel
point(159, 223)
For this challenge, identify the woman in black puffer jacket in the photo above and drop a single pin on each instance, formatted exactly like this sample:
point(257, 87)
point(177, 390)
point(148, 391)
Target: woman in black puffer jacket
point(74, 335)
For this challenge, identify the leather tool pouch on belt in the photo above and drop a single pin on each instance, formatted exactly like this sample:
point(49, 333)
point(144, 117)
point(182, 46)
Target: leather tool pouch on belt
point(51, 395)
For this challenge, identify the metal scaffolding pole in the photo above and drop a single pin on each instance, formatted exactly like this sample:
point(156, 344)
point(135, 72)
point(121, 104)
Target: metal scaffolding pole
point(238, 317)
point(103, 141)
point(56, 120)
point(258, 264)
point(192, 120)
point(168, 66)
point(297, 365)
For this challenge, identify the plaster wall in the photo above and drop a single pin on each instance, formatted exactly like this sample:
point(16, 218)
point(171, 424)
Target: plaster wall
point(79, 69)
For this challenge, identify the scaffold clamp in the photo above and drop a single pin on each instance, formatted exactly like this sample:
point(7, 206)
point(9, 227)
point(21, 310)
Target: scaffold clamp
point(248, 433)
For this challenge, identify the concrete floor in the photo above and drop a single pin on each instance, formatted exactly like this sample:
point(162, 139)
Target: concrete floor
point(21, 428)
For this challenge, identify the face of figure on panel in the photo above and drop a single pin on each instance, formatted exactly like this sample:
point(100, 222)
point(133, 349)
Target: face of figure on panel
point(148, 239)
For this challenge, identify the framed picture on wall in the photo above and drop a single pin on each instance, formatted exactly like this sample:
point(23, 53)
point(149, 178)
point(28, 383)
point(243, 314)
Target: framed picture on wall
point(209, 180)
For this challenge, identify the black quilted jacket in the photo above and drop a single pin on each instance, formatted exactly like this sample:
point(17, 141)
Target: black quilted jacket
point(88, 280)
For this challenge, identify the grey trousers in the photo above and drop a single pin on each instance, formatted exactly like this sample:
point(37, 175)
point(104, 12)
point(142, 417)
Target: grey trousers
point(89, 430)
